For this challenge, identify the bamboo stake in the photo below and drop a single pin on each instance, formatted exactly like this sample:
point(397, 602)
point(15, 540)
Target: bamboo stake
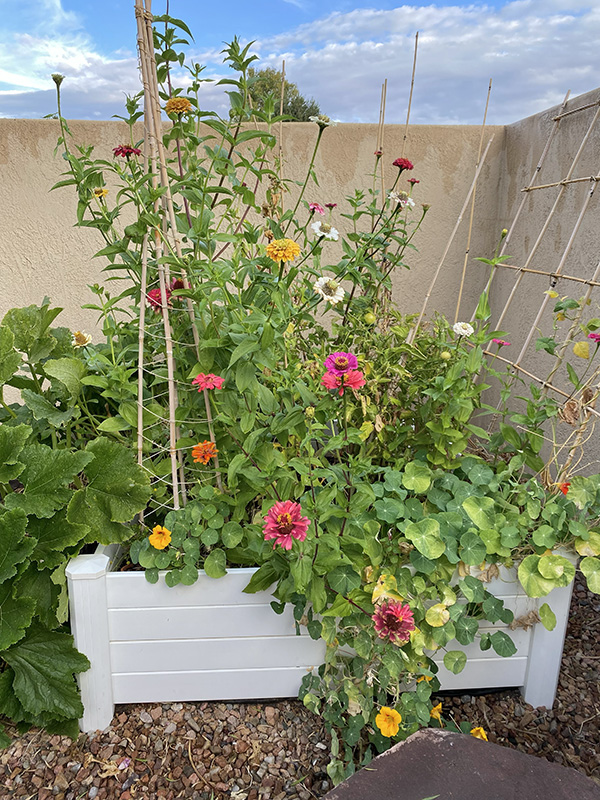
point(411, 336)
point(281, 129)
point(468, 248)
point(380, 143)
point(575, 110)
point(410, 94)
point(559, 183)
point(553, 275)
point(549, 217)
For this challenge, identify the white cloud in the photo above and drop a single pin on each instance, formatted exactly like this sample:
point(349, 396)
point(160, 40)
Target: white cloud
point(533, 49)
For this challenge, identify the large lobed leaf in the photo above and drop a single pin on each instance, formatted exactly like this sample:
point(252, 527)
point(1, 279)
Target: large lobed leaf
point(10, 360)
point(15, 616)
point(12, 441)
point(14, 546)
point(117, 490)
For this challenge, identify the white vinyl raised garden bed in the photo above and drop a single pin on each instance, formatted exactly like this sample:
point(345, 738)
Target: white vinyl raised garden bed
point(210, 641)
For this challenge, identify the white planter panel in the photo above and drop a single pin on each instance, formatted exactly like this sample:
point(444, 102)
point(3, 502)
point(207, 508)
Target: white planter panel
point(485, 673)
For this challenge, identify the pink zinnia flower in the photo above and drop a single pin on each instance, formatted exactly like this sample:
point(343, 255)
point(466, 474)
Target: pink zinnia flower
point(316, 207)
point(413, 181)
point(207, 381)
point(378, 153)
point(394, 621)
point(402, 164)
point(340, 363)
point(154, 300)
point(595, 337)
point(126, 151)
point(501, 342)
point(353, 379)
point(285, 522)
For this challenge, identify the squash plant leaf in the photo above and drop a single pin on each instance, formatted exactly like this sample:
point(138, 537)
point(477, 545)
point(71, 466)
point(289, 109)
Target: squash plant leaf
point(15, 546)
point(15, 616)
point(12, 441)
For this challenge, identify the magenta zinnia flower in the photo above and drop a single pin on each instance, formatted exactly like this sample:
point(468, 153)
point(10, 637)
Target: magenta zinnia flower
point(595, 337)
point(316, 207)
point(284, 522)
point(154, 300)
point(126, 151)
point(394, 621)
point(402, 164)
point(340, 363)
point(330, 206)
point(413, 181)
point(501, 342)
point(353, 379)
point(207, 381)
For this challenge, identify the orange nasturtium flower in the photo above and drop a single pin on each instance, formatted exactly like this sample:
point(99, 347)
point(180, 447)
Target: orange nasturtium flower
point(283, 250)
point(178, 105)
point(388, 721)
point(204, 451)
point(160, 537)
point(564, 487)
point(479, 733)
point(436, 712)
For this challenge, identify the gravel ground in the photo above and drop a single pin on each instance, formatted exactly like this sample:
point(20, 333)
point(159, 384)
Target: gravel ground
point(249, 751)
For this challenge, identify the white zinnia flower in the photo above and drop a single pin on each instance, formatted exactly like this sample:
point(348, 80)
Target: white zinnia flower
point(323, 121)
point(324, 229)
point(80, 339)
point(402, 199)
point(462, 329)
point(329, 289)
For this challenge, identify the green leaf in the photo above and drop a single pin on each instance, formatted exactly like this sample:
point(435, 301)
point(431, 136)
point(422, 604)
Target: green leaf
point(466, 630)
point(425, 535)
point(341, 608)
point(480, 510)
point(10, 360)
point(15, 547)
point(29, 326)
point(113, 425)
point(38, 585)
point(215, 562)
point(582, 491)
point(12, 441)
point(244, 348)
point(69, 371)
point(503, 644)
point(44, 663)
point(116, 491)
point(343, 579)
point(455, 661)
point(547, 617)
point(531, 580)
point(417, 477)
point(389, 509)
point(262, 579)
point(232, 534)
point(557, 569)
point(16, 614)
point(46, 476)
point(590, 567)
point(43, 409)
point(53, 536)
point(472, 548)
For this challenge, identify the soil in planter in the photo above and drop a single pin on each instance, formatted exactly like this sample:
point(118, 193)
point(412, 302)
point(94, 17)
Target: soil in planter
point(279, 750)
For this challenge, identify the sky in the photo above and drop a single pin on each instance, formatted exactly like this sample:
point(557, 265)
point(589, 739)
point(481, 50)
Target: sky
point(338, 52)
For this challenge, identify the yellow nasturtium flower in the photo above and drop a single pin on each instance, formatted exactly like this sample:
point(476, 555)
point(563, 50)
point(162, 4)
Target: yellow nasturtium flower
point(388, 721)
point(479, 733)
point(436, 712)
point(160, 537)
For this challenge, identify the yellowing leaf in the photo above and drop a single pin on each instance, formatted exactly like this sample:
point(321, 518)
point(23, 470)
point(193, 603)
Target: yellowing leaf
point(463, 569)
point(366, 429)
point(582, 349)
point(591, 547)
point(437, 615)
point(385, 588)
point(551, 293)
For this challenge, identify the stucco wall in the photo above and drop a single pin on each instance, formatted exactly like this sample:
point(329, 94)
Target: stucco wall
point(43, 253)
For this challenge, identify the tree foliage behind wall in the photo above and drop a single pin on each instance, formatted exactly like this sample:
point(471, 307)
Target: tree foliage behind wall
point(267, 81)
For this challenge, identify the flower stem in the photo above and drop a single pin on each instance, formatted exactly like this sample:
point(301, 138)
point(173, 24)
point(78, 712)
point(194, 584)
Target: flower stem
point(305, 184)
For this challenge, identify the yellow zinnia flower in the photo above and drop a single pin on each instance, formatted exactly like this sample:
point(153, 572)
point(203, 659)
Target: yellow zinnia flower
point(100, 192)
point(160, 537)
point(178, 105)
point(479, 733)
point(436, 712)
point(80, 339)
point(283, 250)
point(388, 721)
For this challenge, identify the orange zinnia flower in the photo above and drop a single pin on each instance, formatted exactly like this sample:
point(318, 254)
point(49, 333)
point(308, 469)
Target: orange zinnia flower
point(178, 105)
point(204, 451)
point(160, 537)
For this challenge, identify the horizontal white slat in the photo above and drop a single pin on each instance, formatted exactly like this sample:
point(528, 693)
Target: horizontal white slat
point(485, 673)
point(160, 687)
point(216, 654)
point(132, 590)
point(206, 622)
point(521, 639)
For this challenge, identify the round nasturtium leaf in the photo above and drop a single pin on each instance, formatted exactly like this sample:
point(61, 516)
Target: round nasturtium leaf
point(425, 535)
point(591, 547)
point(557, 569)
point(531, 580)
point(455, 661)
point(214, 565)
point(591, 569)
point(437, 615)
point(547, 617)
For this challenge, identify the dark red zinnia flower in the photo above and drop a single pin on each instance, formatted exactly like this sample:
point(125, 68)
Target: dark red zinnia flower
point(402, 164)
point(330, 205)
point(126, 151)
point(394, 621)
point(413, 181)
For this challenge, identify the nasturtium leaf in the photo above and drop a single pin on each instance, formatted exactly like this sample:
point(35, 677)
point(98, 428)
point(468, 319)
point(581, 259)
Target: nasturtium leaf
point(116, 491)
point(209, 537)
point(466, 629)
point(582, 491)
point(455, 661)
point(173, 577)
point(147, 558)
point(44, 663)
point(16, 614)
point(12, 441)
point(437, 615)
point(69, 371)
point(480, 510)
point(10, 360)
point(214, 564)
point(425, 535)
point(15, 547)
point(589, 547)
point(544, 536)
point(46, 479)
point(386, 588)
point(472, 549)
point(151, 575)
point(480, 474)
point(503, 644)
point(388, 509)
point(162, 559)
point(557, 569)
point(421, 563)
point(547, 617)
point(343, 579)
point(510, 536)
point(591, 569)
point(43, 409)
point(472, 589)
point(531, 579)
point(53, 536)
point(417, 477)
point(189, 575)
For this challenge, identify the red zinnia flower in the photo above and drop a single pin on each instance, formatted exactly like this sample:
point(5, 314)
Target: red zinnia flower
point(340, 363)
point(353, 379)
point(126, 151)
point(285, 522)
point(378, 153)
point(413, 181)
point(207, 381)
point(330, 205)
point(394, 621)
point(177, 283)
point(564, 487)
point(154, 299)
point(204, 451)
point(402, 164)
point(595, 337)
